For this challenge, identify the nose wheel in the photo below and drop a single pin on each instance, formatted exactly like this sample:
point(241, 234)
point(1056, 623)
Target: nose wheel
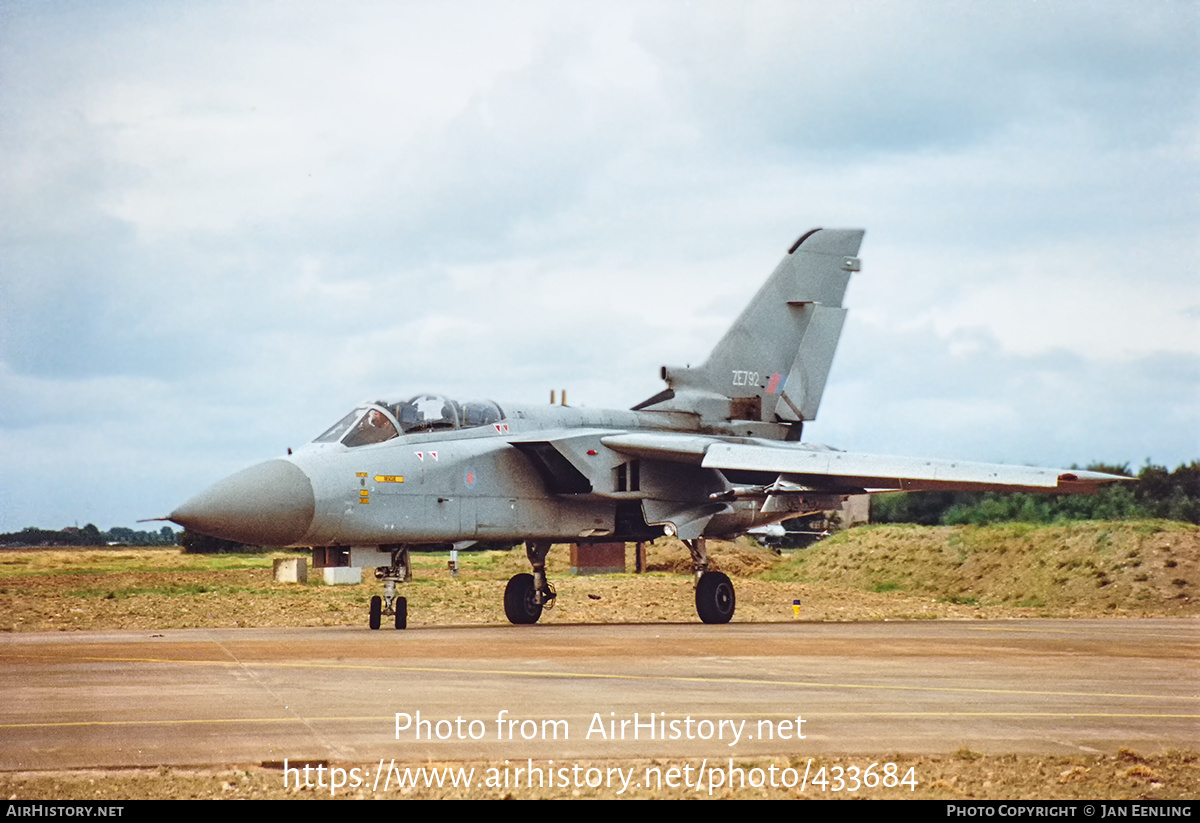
point(398, 609)
point(391, 605)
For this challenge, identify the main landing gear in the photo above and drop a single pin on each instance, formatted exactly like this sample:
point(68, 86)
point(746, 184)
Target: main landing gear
point(527, 594)
point(400, 571)
point(715, 599)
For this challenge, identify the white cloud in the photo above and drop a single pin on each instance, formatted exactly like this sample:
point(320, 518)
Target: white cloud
point(251, 217)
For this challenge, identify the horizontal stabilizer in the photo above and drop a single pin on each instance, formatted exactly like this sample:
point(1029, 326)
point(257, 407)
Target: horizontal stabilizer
point(685, 522)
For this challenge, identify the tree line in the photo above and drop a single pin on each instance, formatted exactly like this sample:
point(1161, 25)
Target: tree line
point(1158, 493)
point(89, 535)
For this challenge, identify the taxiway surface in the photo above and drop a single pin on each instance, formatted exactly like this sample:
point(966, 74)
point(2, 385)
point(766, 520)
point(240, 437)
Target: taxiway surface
point(215, 696)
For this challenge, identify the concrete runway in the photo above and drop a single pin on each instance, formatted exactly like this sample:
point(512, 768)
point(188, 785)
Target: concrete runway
point(244, 696)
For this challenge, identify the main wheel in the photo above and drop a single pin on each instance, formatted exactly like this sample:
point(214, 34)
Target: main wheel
point(520, 600)
point(376, 611)
point(401, 607)
point(714, 598)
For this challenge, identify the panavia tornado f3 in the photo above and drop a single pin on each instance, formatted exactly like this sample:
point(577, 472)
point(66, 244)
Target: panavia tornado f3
point(715, 454)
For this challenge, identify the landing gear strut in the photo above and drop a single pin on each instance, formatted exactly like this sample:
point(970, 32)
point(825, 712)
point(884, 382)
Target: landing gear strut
point(715, 599)
point(527, 594)
point(400, 571)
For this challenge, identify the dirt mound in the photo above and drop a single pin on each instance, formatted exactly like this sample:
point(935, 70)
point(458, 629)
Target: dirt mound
point(739, 558)
point(1070, 569)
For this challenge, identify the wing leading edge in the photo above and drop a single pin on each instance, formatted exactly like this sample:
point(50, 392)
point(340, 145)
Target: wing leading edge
point(822, 468)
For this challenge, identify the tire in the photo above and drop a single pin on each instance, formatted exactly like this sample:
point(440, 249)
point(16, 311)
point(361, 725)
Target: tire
point(520, 601)
point(401, 606)
point(376, 611)
point(715, 599)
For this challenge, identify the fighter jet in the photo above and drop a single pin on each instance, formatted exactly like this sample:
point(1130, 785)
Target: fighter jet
point(716, 453)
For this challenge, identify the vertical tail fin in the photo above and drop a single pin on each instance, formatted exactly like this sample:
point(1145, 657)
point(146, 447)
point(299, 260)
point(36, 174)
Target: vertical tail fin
point(773, 362)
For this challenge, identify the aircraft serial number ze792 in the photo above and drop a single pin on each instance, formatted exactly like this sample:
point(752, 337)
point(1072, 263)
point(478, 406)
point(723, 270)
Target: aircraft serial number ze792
point(700, 459)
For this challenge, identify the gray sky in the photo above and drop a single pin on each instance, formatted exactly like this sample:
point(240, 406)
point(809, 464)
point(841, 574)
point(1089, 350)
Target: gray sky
point(224, 224)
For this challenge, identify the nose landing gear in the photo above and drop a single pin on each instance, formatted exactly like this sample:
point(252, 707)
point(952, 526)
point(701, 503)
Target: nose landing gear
point(398, 572)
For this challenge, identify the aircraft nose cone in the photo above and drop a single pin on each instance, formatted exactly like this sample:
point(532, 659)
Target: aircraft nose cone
point(270, 504)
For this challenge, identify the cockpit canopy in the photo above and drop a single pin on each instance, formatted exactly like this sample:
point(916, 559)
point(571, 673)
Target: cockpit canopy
point(383, 420)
